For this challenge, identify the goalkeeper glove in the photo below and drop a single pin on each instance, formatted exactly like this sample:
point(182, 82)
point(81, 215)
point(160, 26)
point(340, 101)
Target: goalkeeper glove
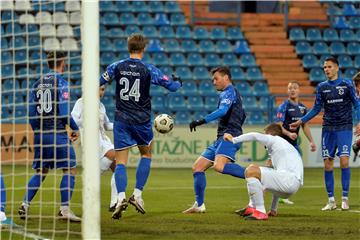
point(196, 123)
point(177, 78)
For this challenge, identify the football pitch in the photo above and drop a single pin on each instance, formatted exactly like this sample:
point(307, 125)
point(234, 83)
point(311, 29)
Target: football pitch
point(170, 191)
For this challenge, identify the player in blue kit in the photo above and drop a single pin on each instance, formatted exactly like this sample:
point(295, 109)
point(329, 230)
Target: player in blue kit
point(132, 125)
point(49, 114)
point(220, 154)
point(336, 96)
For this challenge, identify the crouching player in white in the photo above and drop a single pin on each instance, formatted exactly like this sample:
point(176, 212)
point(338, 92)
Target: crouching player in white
point(106, 148)
point(283, 178)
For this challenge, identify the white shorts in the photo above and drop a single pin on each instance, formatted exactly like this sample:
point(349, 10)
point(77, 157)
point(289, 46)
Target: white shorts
point(105, 145)
point(281, 183)
point(105, 164)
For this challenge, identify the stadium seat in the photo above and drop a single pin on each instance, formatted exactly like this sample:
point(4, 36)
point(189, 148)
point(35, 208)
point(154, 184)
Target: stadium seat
point(123, 6)
point(353, 48)
point(150, 32)
point(72, 6)
point(127, 19)
point(354, 22)
point(47, 30)
point(27, 18)
point(7, 5)
point(223, 46)
point(145, 19)
point(189, 45)
point(218, 33)
point(206, 46)
point(160, 59)
point(74, 58)
point(146, 57)
point(256, 118)
point(43, 18)
point(13, 28)
point(103, 31)
point(106, 58)
point(340, 22)
point(207, 89)
point(195, 103)
point(60, 18)
point(64, 31)
point(154, 46)
point(350, 73)
point(310, 61)
point(7, 71)
point(333, 10)
point(59, 6)
point(75, 18)
point(237, 74)
point(177, 59)
point(183, 32)
point(189, 89)
point(247, 60)
point(200, 33)
point(199, 114)
point(156, 7)
point(337, 48)
point(106, 45)
point(106, 6)
point(110, 19)
point(167, 70)
point(201, 73)
point(267, 103)
point(241, 47)
point(249, 103)
point(234, 33)
point(17, 42)
point(349, 10)
point(182, 117)
point(161, 19)
point(51, 44)
point(177, 19)
point(157, 91)
point(120, 45)
point(172, 45)
point(36, 57)
point(347, 35)
point(184, 73)
point(4, 43)
point(195, 59)
point(313, 34)
point(21, 56)
point(261, 89)
point(177, 102)
point(323, 57)
point(330, 35)
point(172, 7)
point(244, 88)
point(31, 29)
point(254, 74)
point(303, 48)
point(166, 32)
point(158, 104)
point(317, 75)
point(230, 59)
point(320, 48)
point(345, 61)
point(212, 60)
point(116, 32)
point(211, 103)
point(296, 34)
point(139, 7)
point(8, 16)
point(358, 34)
point(132, 29)
point(75, 71)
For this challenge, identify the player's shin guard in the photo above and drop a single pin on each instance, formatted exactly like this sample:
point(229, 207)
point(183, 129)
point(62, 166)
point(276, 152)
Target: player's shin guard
point(199, 187)
point(120, 178)
point(329, 183)
point(142, 172)
point(345, 181)
point(2, 194)
point(255, 192)
point(234, 169)
point(33, 186)
point(66, 188)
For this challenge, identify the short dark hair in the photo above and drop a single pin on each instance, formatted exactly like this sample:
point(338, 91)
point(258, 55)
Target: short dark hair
point(223, 70)
point(54, 59)
point(136, 43)
point(332, 59)
point(356, 79)
point(273, 129)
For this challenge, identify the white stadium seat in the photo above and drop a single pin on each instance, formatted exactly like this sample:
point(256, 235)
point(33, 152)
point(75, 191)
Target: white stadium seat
point(6, 5)
point(72, 6)
point(47, 30)
point(75, 18)
point(23, 5)
point(27, 18)
point(60, 18)
point(69, 44)
point(64, 31)
point(43, 18)
point(51, 44)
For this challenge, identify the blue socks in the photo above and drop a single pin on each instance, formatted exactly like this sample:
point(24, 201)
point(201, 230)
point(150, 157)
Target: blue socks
point(329, 182)
point(2, 194)
point(234, 169)
point(66, 188)
point(199, 187)
point(120, 178)
point(345, 181)
point(33, 186)
point(142, 172)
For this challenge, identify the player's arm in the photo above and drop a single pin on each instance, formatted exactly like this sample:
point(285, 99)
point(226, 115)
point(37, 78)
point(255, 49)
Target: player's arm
point(159, 78)
point(280, 115)
point(33, 118)
point(264, 139)
point(356, 103)
point(76, 113)
point(109, 74)
point(308, 135)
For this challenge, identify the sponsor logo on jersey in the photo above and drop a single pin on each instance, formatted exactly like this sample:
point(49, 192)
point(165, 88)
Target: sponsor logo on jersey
point(341, 91)
point(326, 91)
point(106, 76)
point(65, 95)
point(226, 101)
point(335, 100)
point(279, 115)
point(129, 73)
point(166, 77)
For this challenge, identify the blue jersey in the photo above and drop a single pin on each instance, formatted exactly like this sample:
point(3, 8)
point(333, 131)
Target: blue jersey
point(230, 112)
point(133, 79)
point(336, 98)
point(49, 105)
point(289, 112)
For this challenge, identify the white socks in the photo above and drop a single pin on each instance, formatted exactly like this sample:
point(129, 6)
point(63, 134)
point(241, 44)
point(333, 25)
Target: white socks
point(256, 195)
point(120, 196)
point(137, 193)
point(2, 216)
point(274, 204)
point(64, 208)
point(114, 192)
point(331, 199)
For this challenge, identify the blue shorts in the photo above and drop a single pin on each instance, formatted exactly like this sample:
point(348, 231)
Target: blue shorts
point(48, 154)
point(221, 147)
point(336, 140)
point(128, 135)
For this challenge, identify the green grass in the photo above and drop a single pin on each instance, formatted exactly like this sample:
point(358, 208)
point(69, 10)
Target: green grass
point(169, 192)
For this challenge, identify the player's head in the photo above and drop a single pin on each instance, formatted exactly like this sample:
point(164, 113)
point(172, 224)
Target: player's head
point(56, 61)
point(331, 68)
point(356, 80)
point(273, 129)
point(102, 91)
point(293, 90)
point(221, 77)
point(136, 43)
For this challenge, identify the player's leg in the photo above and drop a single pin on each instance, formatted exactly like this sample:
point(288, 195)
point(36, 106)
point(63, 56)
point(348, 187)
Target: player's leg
point(2, 199)
point(120, 176)
point(109, 162)
point(274, 205)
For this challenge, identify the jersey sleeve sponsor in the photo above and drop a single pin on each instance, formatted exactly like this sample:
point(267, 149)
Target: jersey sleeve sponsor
point(281, 112)
point(109, 74)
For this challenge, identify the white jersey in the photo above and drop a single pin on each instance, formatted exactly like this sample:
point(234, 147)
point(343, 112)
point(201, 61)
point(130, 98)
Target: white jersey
point(283, 155)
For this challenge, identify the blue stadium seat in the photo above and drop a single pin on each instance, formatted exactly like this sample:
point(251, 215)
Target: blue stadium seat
point(21, 56)
point(103, 31)
point(160, 59)
point(8, 85)
point(256, 118)
point(172, 7)
point(241, 47)
point(244, 88)
point(261, 89)
point(120, 45)
point(211, 103)
point(303, 48)
point(150, 32)
point(178, 59)
point(36, 57)
point(317, 75)
point(195, 59)
point(177, 102)
point(313, 34)
point(333, 10)
point(156, 7)
point(330, 35)
point(347, 35)
point(201, 33)
point(7, 71)
point(310, 61)
point(195, 103)
point(350, 73)
point(31, 29)
point(249, 103)
point(106, 6)
point(200, 114)
point(254, 74)
point(4, 43)
point(224, 46)
point(158, 104)
point(34, 43)
point(218, 33)
point(189, 89)
point(116, 32)
point(237, 74)
point(76, 71)
point(177, 19)
point(166, 32)
point(8, 16)
point(345, 61)
point(189, 45)
point(107, 58)
point(182, 117)
point(266, 103)
point(74, 58)
point(172, 45)
point(107, 100)
point(323, 57)
point(183, 32)
point(145, 19)
point(320, 48)
point(167, 70)
point(247, 60)
point(354, 22)
point(296, 34)
point(123, 6)
point(230, 59)
point(349, 10)
point(157, 91)
point(154, 46)
point(358, 34)
point(6, 57)
point(337, 48)
point(212, 60)
point(234, 33)
point(139, 7)
point(24, 73)
point(18, 42)
point(206, 46)
point(106, 45)
point(184, 73)
point(357, 61)
point(111, 19)
point(201, 73)
point(127, 19)
point(340, 22)
point(161, 19)
point(353, 48)
point(206, 89)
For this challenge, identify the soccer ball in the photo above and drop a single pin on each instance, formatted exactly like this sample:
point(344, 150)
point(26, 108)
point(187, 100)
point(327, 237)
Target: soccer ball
point(163, 123)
